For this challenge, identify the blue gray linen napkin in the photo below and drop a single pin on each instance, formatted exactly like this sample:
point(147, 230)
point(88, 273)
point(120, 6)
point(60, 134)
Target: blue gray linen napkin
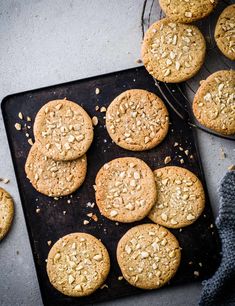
point(218, 289)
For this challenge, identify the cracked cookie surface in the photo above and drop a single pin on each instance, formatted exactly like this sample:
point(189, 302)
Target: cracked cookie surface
point(173, 52)
point(148, 256)
point(125, 189)
point(181, 198)
point(214, 102)
point(137, 120)
point(54, 178)
point(78, 264)
point(63, 130)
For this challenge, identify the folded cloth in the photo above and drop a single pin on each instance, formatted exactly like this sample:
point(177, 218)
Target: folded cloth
point(217, 290)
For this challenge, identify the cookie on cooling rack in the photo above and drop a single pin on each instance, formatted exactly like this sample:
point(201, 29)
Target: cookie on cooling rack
point(187, 11)
point(63, 130)
point(137, 120)
point(213, 104)
point(180, 200)
point(225, 32)
point(54, 178)
point(173, 52)
point(125, 189)
point(148, 256)
point(6, 212)
point(78, 264)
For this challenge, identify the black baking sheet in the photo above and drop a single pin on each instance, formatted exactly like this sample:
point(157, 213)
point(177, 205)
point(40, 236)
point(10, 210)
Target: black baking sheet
point(199, 242)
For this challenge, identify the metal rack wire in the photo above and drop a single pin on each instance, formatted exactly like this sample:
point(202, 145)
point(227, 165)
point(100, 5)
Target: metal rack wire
point(180, 96)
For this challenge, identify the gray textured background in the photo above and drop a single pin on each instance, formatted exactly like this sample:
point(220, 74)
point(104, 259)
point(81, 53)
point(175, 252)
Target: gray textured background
point(44, 42)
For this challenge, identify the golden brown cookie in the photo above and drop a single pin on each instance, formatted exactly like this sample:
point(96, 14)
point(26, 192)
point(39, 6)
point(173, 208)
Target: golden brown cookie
point(181, 198)
point(6, 212)
point(187, 11)
point(173, 52)
point(213, 104)
point(137, 120)
point(78, 264)
point(125, 189)
point(148, 256)
point(225, 32)
point(54, 178)
point(63, 130)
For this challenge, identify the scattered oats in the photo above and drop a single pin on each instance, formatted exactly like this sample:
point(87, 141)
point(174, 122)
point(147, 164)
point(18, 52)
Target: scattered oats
point(200, 264)
point(20, 115)
point(97, 108)
point(27, 134)
point(18, 126)
point(176, 144)
point(120, 278)
point(186, 152)
point(28, 118)
point(56, 198)
point(181, 160)
point(167, 160)
point(232, 167)
point(94, 186)
point(68, 201)
point(103, 109)
point(49, 242)
point(97, 90)
point(30, 141)
point(85, 222)
point(64, 212)
point(38, 210)
point(94, 120)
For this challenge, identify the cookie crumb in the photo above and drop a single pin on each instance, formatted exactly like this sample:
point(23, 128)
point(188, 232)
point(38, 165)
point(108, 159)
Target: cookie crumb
point(49, 242)
point(94, 217)
point(85, 222)
point(103, 109)
point(56, 198)
point(138, 61)
point(232, 167)
point(68, 201)
point(186, 152)
point(27, 135)
point(20, 115)
point(97, 108)
point(28, 118)
point(94, 120)
point(120, 278)
point(176, 144)
point(104, 286)
point(30, 141)
point(200, 264)
point(38, 210)
point(97, 91)
point(4, 180)
point(181, 161)
point(196, 273)
point(18, 126)
point(64, 212)
point(89, 215)
point(167, 160)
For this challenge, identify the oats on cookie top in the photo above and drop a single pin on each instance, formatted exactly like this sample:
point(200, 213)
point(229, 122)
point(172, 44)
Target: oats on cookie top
point(78, 264)
point(214, 102)
point(173, 52)
point(181, 197)
point(54, 178)
point(225, 32)
point(187, 11)
point(63, 130)
point(125, 189)
point(148, 255)
point(137, 120)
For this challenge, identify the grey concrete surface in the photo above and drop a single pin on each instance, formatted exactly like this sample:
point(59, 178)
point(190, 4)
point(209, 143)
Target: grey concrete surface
point(44, 42)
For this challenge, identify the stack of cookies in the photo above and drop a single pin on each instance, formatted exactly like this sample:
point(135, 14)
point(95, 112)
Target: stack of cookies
point(56, 164)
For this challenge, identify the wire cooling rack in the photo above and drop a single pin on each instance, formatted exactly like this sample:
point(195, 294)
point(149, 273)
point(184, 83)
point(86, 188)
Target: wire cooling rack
point(180, 96)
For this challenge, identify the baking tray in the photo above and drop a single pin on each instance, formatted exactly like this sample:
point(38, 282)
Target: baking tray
point(57, 217)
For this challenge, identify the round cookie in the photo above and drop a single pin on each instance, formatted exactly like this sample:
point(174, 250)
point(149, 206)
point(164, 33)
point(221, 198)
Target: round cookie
point(54, 178)
point(125, 189)
point(181, 197)
point(213, 104)
point(224, 32)
point(6, 212)
point(63, 130)
point(137, 120)
point(78, 264)
point(173, 52)
point(148, 256)
point(187, 11)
